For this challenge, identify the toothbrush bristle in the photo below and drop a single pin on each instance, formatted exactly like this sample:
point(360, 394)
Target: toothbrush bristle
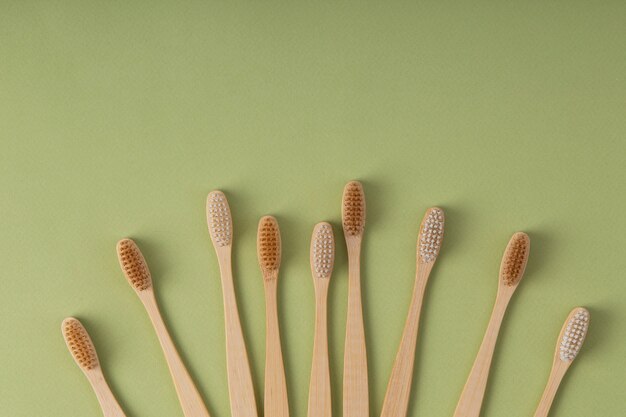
point(322, 251)
point(353, 210)
point(219, 219)
point(431, 235)
point(268, 244)
point(515, 259)
point(79, 344)
point(133, 264)
point(574, 334)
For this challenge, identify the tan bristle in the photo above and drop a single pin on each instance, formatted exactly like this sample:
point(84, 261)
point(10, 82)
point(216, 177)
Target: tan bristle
point(574, 334)
point(268, 245)
point(353, 210)
point(79, 344)
point(430, 235)
point(515, 259)
point(133, 265)
point(322, 251)
point(219, 219)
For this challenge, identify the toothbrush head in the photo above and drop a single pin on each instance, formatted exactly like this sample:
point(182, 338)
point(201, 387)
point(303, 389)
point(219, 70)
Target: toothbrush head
point(515, 259)
point(573, 334)
point(353, 209)
point(322, 251)
point(79, 344)
point(269, 246)
point(430, 235)
point(219, 219)
point(133, 265)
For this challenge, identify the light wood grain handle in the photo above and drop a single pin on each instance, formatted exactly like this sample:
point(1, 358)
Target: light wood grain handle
point(473, 393)
point(108, 403)
point(190, 400)
point(399, 388)
point(240, 387)
point(556, 376)
point(320, 402)
point(276, 402)
point(355, 383)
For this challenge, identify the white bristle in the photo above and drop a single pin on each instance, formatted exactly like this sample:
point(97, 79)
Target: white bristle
point(323, 251)
point(218, 217)
point(574, 335)
point(431, 235)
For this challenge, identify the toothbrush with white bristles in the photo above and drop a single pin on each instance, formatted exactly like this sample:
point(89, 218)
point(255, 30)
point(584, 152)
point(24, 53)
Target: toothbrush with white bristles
point(428, 244)
point(322, 262)
point(240, 387)
point(570, 341)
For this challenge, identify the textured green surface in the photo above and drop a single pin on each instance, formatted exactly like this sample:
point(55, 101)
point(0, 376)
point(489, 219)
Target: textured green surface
point(117, 118)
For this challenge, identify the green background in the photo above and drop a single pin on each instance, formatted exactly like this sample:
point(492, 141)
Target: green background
point(117, 118)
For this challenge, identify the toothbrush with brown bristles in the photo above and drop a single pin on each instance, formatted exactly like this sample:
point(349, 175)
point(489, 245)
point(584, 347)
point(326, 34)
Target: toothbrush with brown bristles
point(355, 383)
point(240, 387)
point(269, 254)
point(511, 273)
point(428, 244)
point(82, 349)
point(569, 343)
point(322, 262)
point(136, 271)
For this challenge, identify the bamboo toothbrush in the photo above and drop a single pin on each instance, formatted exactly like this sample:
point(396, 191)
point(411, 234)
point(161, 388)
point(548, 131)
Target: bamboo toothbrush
point(355, 384)
point(511, 272)
point(240, 388)
point(269, 254)
point(428, 244)
point(136, 271)
point(322, 262)
point(570, 341)
point(84, 353)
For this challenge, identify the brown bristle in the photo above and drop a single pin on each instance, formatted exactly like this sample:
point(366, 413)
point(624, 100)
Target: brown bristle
point(79, 344)
point(515, 259)
point(133, 265)
point(268, 245)
point(353, 209)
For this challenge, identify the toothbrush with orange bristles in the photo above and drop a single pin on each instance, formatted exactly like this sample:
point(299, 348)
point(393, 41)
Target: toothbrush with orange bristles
point(428, 244)
point(511, 273)
point(355, 383)
point(570, 341)
point(136, 271)
point(240, 387)
point(322, 262)
point(82, 349)
point(269, 253)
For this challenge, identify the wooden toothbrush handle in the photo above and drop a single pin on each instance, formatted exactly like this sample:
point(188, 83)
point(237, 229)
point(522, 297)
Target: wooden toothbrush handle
point(355, 383)
point(556, 376)
point(240, 388)
point(276, 403)
point(320, 402)
point(396, 400)
point(471, 399)
point(108, 403)
point(190, 400)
